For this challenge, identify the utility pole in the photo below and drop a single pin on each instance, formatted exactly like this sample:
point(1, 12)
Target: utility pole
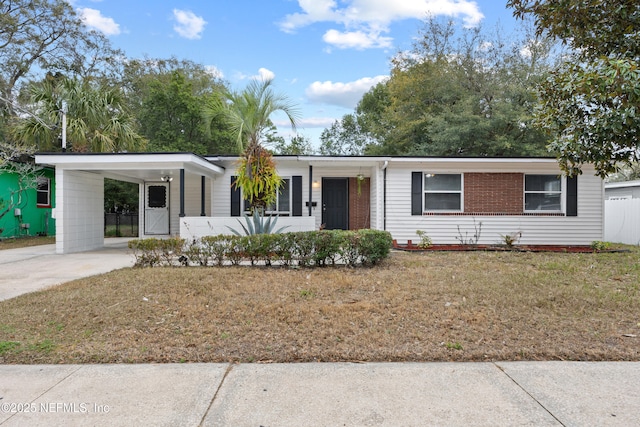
point(64, 126)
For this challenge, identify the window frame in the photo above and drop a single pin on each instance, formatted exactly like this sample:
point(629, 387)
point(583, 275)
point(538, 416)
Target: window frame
point(460, 192)
point(246, 206)
point(559, 192)
point(39, 191)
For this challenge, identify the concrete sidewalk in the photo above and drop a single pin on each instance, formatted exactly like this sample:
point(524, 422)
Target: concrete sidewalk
point(323, 394)
point(38, 267)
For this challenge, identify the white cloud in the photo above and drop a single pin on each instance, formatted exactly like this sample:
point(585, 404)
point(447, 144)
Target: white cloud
point(356, 39)
point(214, 71)
point(93, 18)
point(344, 95)
point(189, 25)
point(365, 20)
point(264, 74)
point(316, 122)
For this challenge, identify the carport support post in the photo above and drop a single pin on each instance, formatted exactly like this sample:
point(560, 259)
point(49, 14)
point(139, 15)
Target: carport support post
point(182, 193)
point(202, 193)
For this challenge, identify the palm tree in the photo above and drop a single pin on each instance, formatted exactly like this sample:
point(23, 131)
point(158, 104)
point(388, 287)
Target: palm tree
point(96, 119)
point(248, 114)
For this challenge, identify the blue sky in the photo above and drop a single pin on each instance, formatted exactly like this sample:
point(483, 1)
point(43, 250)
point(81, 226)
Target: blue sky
point(324, 54)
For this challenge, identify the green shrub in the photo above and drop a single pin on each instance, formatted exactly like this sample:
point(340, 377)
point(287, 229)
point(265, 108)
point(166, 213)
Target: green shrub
point(216, 248)
point(311, 248)
point(171, 250)
point(145, 251)
point(327, 246)
point(598, 245)
point(374, 245)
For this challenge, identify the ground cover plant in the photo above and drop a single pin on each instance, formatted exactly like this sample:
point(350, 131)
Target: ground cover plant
point(428, 306)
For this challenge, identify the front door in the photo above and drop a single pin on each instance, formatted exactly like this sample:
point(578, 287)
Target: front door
point(156, 208)
point(335, 203)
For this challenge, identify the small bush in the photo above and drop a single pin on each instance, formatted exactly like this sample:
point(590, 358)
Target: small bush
point(425, 240)
point(374, 246)
point(598, 245)
point(145, 251)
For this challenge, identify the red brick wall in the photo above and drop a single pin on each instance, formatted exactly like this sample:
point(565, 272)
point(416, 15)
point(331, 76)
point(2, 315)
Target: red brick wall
point(359, 205)
point(493, 193)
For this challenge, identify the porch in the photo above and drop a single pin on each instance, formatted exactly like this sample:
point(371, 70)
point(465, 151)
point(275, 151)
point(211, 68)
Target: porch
point(182, 194)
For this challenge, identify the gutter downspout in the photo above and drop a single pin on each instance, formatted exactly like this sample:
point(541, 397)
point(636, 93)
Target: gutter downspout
point(384, 195)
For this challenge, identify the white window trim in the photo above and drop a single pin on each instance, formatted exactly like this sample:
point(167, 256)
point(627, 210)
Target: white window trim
point(461, 192)
point(48, 192)
point(561, 192)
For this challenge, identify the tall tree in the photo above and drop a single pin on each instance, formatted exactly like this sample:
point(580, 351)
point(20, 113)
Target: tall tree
point(96, 118)
point(168, 97)
point(248, 113)
point(590, 104)
point(299, 145)
point(47, 35)
point(462, 95)
point(343, 138)
point(456, 93)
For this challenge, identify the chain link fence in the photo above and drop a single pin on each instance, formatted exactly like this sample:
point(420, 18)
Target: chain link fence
point(121, 224)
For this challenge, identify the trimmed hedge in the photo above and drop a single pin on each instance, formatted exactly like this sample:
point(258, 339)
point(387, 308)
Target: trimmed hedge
point(308, 248)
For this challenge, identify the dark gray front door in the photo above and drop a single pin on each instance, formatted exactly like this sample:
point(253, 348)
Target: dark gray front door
point(335, 203)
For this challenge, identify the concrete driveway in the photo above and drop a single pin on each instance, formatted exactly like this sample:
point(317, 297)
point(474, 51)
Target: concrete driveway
point(37, 267)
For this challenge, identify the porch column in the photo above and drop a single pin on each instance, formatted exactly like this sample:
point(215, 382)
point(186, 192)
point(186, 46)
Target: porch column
point(202, 194)
point(310, 190)
point(182, 193)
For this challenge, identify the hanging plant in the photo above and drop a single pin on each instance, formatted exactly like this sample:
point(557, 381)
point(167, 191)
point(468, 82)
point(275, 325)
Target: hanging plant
point(359, 179)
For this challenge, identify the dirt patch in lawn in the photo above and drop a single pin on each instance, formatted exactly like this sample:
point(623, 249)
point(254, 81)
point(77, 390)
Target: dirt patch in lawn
point(431, 306)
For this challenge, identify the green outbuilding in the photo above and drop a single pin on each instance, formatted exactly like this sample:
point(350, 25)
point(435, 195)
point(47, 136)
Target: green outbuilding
point(27, 210)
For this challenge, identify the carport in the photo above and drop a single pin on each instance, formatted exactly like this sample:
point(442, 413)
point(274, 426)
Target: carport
point(171, 186)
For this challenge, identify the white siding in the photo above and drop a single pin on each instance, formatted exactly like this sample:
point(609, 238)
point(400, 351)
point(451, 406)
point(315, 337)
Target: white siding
point(196, 227)
point(79, 211)
point(221, 200)
point(444, 229)
point(622, 221)
point(192, 199)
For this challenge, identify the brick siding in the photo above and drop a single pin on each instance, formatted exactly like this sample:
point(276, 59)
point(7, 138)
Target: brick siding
point(359, 204)
point(495, 193)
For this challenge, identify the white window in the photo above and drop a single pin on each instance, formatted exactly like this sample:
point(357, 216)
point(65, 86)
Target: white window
point(542, 193)
point(282, 205)
point(43, 196)
point(442, 192)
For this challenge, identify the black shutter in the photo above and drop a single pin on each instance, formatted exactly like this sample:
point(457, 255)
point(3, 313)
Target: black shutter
point(296, 196)
point(572, 196)
point(235, 198)
point(416, 193)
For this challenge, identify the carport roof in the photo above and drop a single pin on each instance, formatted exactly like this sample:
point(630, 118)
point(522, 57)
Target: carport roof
point(134, 167)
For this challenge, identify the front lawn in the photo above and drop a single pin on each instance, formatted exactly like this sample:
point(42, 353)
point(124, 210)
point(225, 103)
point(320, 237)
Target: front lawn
point(434, 306)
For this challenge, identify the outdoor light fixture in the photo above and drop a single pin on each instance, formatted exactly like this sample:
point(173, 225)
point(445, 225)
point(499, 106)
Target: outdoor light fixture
point(166, 178)
point(315, 184)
